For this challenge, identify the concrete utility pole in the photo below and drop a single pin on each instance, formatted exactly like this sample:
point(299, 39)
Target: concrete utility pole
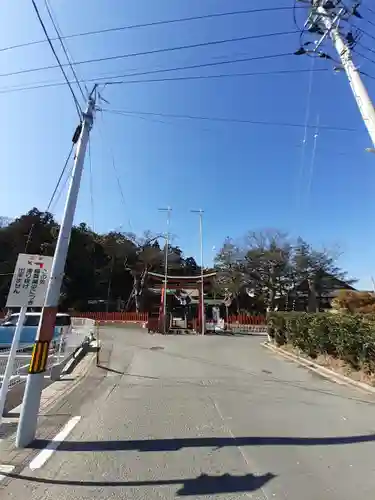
point(168, 211)
point(200, 212)
point(35, 380)
point(326, 17)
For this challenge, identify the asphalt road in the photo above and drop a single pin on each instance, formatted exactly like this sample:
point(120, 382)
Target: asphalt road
point(207, 418)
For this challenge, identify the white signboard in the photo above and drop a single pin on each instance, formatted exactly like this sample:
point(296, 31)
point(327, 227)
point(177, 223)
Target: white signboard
point(30, 281)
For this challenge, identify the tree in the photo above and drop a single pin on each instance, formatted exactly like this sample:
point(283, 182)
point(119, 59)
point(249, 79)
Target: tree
point(268, 265)
point(148, 256)
point(113, 268)
point(231, 275)
point(318, 270)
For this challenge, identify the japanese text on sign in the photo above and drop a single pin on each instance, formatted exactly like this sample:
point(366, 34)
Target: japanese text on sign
point(30, 281)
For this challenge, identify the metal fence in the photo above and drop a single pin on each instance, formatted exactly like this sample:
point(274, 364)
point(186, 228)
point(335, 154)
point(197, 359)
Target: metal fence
point(20, 367)
point(61, 349)
point(83, 330)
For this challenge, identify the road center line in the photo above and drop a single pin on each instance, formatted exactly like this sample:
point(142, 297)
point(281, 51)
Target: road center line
point(46, 454)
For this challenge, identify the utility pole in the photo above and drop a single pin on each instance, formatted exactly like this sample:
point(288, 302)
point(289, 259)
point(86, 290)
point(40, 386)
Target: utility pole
point(325, 18)
point(35, 379)
point(168, 211)
point(200, 212)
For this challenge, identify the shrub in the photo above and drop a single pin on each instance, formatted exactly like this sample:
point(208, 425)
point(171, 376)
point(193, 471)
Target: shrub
point(354, 302)
point(350, 337)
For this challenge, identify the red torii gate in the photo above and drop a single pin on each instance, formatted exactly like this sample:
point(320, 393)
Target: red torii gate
point(178, 283)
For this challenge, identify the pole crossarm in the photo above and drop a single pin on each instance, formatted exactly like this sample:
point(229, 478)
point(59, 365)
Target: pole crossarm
point(329, 20)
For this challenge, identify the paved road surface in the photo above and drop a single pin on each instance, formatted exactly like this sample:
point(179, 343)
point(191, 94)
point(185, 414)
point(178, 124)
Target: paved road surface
point(207, 418)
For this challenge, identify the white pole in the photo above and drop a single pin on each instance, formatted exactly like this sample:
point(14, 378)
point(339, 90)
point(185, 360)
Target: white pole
point(200, 212)
point(359, 90)
point(35, 379)
point(202, 271)
point(168, 210)
point(11, 359)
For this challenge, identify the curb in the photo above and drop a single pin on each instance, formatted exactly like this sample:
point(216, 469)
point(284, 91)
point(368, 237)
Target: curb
point(43, 410)
point(321, 370)
point(70, 388)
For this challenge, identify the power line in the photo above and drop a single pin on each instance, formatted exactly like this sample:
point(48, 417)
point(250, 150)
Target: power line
point(43, 85)
point(365, 47)
point(60, 178)
point(57, 199)
point(202, 65)
point(363, 31)
point(364, 56)
point(114, 166)
point(369, 9)
point(229, 120)
point(59, 34)
point(303, 150)
point(79, 110)
point(156, 23)
point(151, 52)
point(312, 161)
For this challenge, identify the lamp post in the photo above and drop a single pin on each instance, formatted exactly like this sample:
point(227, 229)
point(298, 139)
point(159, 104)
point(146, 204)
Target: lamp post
point(168, 211)
point(200, 212)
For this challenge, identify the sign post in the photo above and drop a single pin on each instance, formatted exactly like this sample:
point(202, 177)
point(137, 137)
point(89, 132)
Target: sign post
point(28, 289)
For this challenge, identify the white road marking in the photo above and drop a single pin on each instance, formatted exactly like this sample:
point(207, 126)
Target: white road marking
point(4, 470)
point(44, 455)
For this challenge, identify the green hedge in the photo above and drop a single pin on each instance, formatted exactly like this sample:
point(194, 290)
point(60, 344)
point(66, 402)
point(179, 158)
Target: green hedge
point(350, 337)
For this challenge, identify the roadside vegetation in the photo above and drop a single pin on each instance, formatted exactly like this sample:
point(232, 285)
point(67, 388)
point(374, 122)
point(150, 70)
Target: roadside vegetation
point(342, 339)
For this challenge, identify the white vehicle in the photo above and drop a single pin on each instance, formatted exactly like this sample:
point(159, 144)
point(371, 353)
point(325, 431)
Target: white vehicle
point(63, 327)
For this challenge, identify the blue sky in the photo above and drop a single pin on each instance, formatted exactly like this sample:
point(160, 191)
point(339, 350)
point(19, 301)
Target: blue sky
point(245, 177)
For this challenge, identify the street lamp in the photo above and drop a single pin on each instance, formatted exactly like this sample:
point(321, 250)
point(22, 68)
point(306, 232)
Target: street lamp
point(200, 212)
point(168, 211)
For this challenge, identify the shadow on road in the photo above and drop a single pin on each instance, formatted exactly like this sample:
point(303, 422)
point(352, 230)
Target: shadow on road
point(202, 485)
point(174, 444)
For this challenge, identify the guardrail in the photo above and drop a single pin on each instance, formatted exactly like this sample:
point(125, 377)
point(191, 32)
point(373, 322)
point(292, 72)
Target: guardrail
point(63, 350)
point(244, 319)
point(81, 333)
point(20, 367)
point(130, 317)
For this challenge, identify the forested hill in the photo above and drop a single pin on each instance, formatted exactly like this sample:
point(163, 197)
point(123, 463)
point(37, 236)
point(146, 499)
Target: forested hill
point(255, 272)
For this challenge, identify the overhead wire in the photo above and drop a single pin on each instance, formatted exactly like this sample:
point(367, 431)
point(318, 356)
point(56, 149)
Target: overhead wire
point(156, 23)
point(117, 176)
point(368, 8)
point(52, 199)
point(173, 124)
point(60, 178)
point(229, 120)
point(304, 140)
point(43, 85)
point(364, 56)
point(151, 52)
point(62, 188)
point(202, 65)
point(79, 110)
point(312, 161)
point(67, 55)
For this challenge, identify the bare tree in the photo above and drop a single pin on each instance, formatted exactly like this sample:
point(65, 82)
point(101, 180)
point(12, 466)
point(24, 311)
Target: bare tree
point(268, 265)
point(231, 276)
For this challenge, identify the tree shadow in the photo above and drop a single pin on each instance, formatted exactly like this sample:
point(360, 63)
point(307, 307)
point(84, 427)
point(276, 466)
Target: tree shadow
point(201, 485)
point(175, 444)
